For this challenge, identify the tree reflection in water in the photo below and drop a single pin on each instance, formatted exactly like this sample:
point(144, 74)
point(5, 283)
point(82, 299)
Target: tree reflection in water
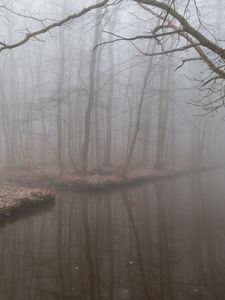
point(161, 241)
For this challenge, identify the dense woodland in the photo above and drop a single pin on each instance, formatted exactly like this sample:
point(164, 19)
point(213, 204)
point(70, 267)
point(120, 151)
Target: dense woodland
point(124, 85)
point(98, 97)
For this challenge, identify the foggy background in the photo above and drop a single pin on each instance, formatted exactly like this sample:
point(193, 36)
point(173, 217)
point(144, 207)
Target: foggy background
point(46, 85)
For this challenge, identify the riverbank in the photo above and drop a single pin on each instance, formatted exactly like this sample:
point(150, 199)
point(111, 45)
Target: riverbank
point(22, 191)
point(100, 180)
point(16, 199)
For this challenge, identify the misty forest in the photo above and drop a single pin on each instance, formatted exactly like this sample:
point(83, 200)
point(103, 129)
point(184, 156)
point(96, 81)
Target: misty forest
point(112, 149)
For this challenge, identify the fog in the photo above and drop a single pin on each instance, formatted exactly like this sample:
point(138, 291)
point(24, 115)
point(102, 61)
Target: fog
point(58, 86)
point(112, 112)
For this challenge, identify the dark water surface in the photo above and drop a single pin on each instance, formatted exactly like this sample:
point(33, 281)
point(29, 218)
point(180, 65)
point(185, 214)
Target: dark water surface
point(159, 241)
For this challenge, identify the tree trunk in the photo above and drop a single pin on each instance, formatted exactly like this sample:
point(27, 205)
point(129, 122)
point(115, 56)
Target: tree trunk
point(91, 96)
point(139, 112)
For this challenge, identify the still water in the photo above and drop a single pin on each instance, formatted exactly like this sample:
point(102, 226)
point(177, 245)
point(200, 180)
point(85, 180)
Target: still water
point(157, 241)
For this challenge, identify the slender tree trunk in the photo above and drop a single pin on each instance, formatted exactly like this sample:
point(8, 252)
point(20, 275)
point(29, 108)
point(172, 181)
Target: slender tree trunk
point(97, 104)
point(139, 112)
point(91, 96)
point(146, 134)
point(108, 144)
point(59, 123)
point(163, 115)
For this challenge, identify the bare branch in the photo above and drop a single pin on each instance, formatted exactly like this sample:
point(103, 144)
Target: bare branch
point(187, 60)
point(138, 37)
point(25, 16)
point(187, 37)
point(211, 79)
point(171, 50)
point(186, 26)
point(53, 25)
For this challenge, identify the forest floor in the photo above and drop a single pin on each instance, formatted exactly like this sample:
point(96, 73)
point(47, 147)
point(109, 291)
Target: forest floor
point(24, 190)
point(15, 199)
point(98, 180)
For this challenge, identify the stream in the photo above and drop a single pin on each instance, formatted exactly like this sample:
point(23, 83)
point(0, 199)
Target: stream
point(164, 240)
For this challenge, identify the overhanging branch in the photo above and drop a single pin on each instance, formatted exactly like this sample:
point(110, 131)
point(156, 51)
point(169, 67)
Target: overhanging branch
point(187, 27)
point(5, 46)
point(138, 37)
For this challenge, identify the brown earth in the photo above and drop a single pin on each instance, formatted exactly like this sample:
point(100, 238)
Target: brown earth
point(101, 179)
point(15, 199)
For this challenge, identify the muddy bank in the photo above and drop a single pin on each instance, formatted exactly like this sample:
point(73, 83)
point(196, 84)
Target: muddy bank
point(92, 181)
point(18, 199)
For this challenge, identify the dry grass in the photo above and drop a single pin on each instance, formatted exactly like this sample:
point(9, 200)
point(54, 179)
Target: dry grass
point(15, 199)
point(93, 181)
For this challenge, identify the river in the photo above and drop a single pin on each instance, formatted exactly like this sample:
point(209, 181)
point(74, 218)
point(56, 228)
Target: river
point(164, 240)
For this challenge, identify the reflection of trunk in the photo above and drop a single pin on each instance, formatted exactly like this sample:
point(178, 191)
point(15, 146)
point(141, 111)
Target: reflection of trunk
point(88, 112)
point(110, 247)
point(139, 112)
point(165, 255)
point(146, 285)
point(204, 253)
point(98, 246)
point(87, 248)
point(60, 252)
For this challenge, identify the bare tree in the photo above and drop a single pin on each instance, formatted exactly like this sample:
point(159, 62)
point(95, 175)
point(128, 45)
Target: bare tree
point(91, 96)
